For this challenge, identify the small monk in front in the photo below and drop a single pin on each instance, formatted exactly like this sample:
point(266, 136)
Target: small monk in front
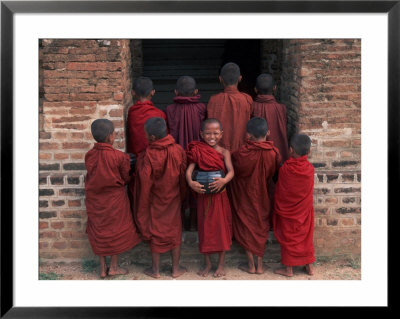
point(110, 225)
point(293, 208)
point(214, 216)
point(159, 189)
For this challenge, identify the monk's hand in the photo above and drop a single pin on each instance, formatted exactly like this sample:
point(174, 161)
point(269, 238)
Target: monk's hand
point(197, 187)
point(218, 184)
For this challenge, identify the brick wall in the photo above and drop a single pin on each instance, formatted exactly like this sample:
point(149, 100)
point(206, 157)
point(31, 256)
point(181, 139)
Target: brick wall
point(321, 86)
point(80, 80)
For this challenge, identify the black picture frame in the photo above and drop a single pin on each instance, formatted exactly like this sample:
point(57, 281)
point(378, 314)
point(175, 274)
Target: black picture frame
point(9, 8)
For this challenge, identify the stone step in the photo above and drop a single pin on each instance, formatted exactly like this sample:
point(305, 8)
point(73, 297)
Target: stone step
point(141, 254)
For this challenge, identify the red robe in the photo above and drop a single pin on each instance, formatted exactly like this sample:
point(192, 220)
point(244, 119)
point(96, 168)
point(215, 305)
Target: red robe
point(184, 119)
point(254, 163)
point(214, 217)
point(275, 114)
point(160, 186)
point(138, 114)
point(294, 212)
point(110, 225)
point(233, 109)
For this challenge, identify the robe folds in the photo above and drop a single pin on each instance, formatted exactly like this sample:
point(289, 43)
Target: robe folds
point(184, 119)
point(255, 163)
point(160, 186)
point(275, 114)
point(214, 216)
point(294, 212)
point(110, 226)
point(138, 114)
point(233, 109)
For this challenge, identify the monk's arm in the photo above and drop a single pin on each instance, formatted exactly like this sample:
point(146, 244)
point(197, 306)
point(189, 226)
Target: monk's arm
point(220, 182)
point(196, 186)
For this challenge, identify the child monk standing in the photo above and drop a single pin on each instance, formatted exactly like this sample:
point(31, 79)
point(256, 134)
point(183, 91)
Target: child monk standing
point(110, 226)
point(294, 211)
point(274, 113)
point(159, 189)
point(214, 217)
point(184, 121)
point(254, 163)
point(231, 107)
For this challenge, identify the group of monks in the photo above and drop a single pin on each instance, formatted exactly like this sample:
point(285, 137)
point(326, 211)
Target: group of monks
point(267, 181)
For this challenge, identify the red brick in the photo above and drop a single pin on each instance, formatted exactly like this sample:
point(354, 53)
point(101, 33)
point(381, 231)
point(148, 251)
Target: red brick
point(78, 155)
point(89, 66)
point(61, 156)
point(48, 234)
point(60, 245)
point(71, 126)
point(73, 214)
point(71, 119)
point(45, 156)
point(43, 225)
point(75, 145)
point(75, 203)
point(48, 146)
point(74, 234)
point(57, 225)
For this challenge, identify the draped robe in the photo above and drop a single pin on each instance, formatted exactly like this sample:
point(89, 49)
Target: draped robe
point(294, 212)
point(255, 163)
point(184, 119)
point(275, 114)
point(138, 114)
point(214, 216)
point(160, 186)
point(233, 109)
point(110, 225)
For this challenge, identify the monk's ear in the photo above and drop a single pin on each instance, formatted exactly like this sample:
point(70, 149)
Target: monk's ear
point(152, 92)
point(248, 136)
point(255, 90)
point(274, 88)
point(220, 80)
point(240, 79)
point(268, 132)
point(176, 92)
point(195, 91)
point(133, 93)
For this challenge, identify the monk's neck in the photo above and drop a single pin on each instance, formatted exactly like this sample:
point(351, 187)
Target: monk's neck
point(230, 88)
point(144, 99)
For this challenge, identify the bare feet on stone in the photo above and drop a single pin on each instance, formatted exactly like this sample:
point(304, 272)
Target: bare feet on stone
point(309, 269)
point(284, 272)
point(220, 272)
point(150, 272)
point(245, 267)
point(204, 271)
point(117, 271)
point(180, 271)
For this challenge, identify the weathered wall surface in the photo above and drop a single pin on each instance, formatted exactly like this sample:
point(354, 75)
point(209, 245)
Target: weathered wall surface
point(81, 80)
point(321, 86)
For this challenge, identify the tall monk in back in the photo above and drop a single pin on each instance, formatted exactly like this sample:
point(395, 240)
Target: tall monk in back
point(231, 107)
point(266, 106)
point(294, 211)
point(139, 113)
point(214, 216)
point(160, 187)
point(254, 163)
point(110, 225)
point(184, 118)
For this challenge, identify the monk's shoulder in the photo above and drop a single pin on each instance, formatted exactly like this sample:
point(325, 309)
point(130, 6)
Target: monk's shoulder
point(247, 97)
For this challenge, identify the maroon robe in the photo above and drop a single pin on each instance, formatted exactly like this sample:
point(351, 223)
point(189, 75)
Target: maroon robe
point(160, 186)
point(294, 212)
point(255, 163)
point(233, 109)
point(110, 225)
point(214, 216)
point(275, 114)
point(138, 114)
point(184, 119)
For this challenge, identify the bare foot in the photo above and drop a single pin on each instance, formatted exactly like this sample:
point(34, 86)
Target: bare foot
point(204, 271)
point(309, 269)
point(181, 270)
point(220, 272)
point(283, 272)
point(245, 267)
point(151, 273)
point(103, 272)
point(260, 270)
point(117, 271)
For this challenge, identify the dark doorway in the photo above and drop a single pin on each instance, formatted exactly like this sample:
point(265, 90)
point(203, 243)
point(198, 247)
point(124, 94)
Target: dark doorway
point(165, 60)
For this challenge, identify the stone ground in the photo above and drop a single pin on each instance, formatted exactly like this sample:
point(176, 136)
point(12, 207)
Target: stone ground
point(139, 258)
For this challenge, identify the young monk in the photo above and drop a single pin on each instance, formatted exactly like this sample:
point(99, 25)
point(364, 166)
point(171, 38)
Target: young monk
point(214, 217)
point(294, 211)
point(254, 163)
point(184, 118)
point(110, 225)
point(139, 113)
point(231, 107)
point(159, 189)
point(267, 107)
